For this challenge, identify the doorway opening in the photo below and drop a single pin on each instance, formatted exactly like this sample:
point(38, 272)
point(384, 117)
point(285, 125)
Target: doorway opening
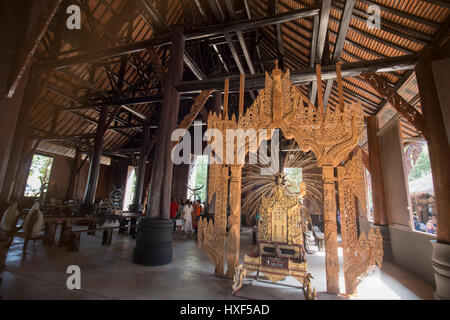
point(198, 178)
point(38, 178)
point(130, 188)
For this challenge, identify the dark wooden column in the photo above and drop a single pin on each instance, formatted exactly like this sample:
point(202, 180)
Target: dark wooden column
point(19, 145)
point(438, 144)
point(73, 175)
point(17, 19)
point(161, 181)
point(154, 240)
point(23, 169)
point(137, 199)
point(96, 155)
point(217, 102)
point(376, 174)
point(432, 78)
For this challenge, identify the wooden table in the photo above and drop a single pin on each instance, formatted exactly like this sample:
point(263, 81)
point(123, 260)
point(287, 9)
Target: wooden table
point(130, 218)
point(51, 223)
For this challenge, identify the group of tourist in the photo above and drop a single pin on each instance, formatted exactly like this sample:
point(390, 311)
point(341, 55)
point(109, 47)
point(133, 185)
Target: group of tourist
point(429, 227)
point(185, 215)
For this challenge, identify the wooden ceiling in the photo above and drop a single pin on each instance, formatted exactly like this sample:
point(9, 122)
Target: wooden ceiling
point(70, 102)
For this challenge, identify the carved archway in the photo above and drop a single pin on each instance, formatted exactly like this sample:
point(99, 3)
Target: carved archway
point(331, 135)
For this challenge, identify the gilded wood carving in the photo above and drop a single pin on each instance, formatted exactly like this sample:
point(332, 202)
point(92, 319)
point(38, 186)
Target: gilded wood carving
point(361, 253)
point(280, 250)
point(411, 114)
point(198, 105)
point(212, 235)
point(331, 135)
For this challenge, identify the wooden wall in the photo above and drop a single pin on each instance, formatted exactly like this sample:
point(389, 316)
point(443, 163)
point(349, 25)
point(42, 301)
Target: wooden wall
point(59, 177)
point(395, 177)
point(60, 174)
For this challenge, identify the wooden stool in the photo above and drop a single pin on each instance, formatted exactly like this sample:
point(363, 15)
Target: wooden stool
point(66, 227)
point(133, 228)
point(123, 226)
point(50, 231)
point(74, 241)
point(92, 227)
point(107, 237)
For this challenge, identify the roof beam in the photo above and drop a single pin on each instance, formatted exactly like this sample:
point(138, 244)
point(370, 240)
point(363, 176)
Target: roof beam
point(64, 138)
point(87, 119)
point(190, 63)
point(322, 34)
point(31, 44)
point(74, 99)
point(159, 25)
point(215, 46)
point(276, 10)
point(101, 92)
point(249, 15)
point(157, 19)
point(298, 77)
point(241, 39)
point(339, 45)
point(165, 39)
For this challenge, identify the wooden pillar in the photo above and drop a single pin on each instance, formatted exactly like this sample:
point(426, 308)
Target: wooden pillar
point(220, 219)
point(96, 156)
point(18, 19)
point(438, 144)
point(432, 78)
point(23, 169)
point(73, 175)
point(331, 245)
point(234, 220)
point(376, 174)
point(161, 181)
point(395, 178)
point(217, 102)
point(137, 200)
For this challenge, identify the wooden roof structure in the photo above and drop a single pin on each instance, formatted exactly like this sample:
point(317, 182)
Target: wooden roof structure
point(120, 55)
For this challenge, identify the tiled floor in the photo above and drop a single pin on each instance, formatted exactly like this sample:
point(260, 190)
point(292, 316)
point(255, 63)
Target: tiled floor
point(108, 273)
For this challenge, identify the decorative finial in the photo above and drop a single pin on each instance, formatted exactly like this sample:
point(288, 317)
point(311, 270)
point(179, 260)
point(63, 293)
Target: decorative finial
point(276, 71)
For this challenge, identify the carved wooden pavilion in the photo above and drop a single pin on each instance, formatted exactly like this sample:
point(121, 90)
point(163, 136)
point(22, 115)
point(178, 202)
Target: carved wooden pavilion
point(109, 95)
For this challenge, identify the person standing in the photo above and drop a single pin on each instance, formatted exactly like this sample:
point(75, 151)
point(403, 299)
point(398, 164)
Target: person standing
point(198, 210)
point(431, 225)
point(187, 217)
point(179, 218)
point(173, 212)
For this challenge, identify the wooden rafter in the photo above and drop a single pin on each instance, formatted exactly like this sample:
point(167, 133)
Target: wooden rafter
point(32, 43)
point(322, 35)
point(339, 45)
point(165, 39)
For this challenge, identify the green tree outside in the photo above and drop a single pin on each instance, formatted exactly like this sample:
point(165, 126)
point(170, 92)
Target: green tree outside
point(422, 166)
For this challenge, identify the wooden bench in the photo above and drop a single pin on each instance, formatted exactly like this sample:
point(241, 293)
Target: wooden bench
point(75, 235)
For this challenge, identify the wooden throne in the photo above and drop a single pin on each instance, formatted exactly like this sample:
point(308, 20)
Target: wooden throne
point(280, 251)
